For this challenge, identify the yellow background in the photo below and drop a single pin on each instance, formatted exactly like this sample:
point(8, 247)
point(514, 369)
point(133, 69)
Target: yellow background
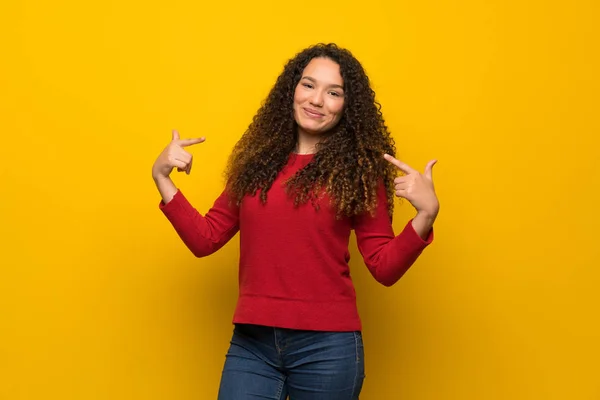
point(99, 299)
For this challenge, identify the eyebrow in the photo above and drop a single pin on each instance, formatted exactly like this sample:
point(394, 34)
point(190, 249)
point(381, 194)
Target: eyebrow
point(315, 81)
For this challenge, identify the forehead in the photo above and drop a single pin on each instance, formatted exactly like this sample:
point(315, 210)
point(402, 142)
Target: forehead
point(324, 70)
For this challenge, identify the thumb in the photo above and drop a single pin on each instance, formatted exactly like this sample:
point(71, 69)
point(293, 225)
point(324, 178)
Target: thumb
point(175, 135)
point(429, 169)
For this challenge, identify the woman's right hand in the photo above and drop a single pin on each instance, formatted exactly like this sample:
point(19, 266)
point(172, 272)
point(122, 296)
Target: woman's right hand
point(174, 156)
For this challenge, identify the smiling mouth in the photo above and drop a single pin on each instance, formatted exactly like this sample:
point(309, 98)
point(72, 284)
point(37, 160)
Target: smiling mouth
point(313, 114)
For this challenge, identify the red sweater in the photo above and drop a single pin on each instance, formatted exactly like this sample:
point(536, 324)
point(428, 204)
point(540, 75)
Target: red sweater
point(293, 267)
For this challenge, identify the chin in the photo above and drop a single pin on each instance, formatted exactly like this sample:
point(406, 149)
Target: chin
point(313, 130)
point(312, 127)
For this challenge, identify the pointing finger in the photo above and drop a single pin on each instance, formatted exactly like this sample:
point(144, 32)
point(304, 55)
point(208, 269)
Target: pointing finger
point(402, 166)
point(190, 142)
point(175, 135)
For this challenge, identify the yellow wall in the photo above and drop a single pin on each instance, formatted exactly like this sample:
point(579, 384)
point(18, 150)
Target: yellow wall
point(99, 299)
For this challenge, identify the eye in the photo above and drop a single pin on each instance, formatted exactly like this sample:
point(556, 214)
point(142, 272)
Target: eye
point(307, 85)
point(335, 94)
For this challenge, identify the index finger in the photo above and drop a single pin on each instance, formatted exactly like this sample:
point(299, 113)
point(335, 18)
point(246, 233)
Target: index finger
point(190, 142)
point(402, 166)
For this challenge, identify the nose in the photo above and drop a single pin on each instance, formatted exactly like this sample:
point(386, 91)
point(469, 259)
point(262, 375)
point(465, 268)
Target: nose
point(317, 99)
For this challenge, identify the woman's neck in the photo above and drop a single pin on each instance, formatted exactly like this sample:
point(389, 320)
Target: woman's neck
point(307, 143)
point(305, 149)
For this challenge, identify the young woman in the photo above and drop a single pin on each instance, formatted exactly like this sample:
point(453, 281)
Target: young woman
point(315, 163)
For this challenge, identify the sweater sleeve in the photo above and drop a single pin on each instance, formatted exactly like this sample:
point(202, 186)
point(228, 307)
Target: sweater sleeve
point(386, 255)
point(202, 234)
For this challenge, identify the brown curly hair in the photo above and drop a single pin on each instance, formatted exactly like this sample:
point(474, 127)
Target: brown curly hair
point(348, 165)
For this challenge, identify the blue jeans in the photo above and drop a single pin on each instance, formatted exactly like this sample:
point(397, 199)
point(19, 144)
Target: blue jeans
point(274, 363)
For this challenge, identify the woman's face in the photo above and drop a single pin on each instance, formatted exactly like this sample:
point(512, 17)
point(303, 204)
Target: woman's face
point(319, 97)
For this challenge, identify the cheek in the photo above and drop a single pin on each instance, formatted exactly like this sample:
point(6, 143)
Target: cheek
point(337, 109)
point(298, 97)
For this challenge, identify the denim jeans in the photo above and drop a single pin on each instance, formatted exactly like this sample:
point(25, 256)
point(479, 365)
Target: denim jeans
point(274, 363)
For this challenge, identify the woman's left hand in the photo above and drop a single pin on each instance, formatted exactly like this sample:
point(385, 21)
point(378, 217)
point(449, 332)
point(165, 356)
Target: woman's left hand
point(417, 187)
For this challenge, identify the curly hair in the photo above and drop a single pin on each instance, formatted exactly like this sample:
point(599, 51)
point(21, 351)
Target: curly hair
point(348, 165)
